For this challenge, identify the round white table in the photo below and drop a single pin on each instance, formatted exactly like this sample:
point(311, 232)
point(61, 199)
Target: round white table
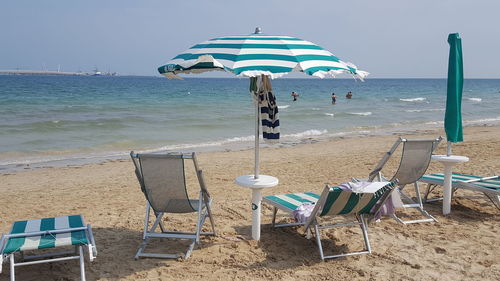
point(256, 185)
point(448, 162)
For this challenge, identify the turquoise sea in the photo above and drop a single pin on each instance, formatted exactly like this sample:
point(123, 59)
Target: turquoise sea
point(54, 120)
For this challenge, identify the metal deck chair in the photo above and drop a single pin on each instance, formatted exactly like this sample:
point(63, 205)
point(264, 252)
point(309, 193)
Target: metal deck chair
point(333, 201)
point(415, 159)
point(489, 186)
point(162, 180)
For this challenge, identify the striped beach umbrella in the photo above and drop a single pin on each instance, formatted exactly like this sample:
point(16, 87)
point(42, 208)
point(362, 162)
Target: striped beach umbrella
point(259, 55)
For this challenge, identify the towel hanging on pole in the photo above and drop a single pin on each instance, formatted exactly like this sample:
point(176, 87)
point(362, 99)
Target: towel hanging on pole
point(263, 92)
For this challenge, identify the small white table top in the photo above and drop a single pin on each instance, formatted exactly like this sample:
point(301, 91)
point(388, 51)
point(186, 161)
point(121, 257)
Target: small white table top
point(451, 159)
point(263, 181)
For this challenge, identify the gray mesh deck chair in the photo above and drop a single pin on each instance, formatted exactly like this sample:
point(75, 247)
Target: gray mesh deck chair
point(162, 179)
point(333, 201)
point(415, 159)
point(489, 186)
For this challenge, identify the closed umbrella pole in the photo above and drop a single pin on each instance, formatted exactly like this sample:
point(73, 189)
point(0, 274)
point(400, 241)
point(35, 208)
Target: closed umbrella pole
point(453, 115)
point(257, 134)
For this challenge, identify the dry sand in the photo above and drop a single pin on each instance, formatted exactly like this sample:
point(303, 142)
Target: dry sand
point(462, 246)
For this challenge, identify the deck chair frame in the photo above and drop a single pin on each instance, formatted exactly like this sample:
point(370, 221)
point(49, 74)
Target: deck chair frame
point(492, 194)
point(54, 256)
point(376, 175)
point(203, 210)
point(315, 219)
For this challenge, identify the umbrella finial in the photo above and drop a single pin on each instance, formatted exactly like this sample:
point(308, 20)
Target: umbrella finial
point(258, 30)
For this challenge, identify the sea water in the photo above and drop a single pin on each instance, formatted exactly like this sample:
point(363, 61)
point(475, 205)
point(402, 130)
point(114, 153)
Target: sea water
point(51, 120)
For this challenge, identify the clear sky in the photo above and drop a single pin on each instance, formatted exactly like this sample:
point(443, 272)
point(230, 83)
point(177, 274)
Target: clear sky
point(388, 38)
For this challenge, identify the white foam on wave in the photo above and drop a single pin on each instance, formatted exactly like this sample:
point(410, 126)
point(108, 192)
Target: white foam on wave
point(203, 144)
point(424, 110)
point(484, 121)
point(368, 113)
point(56, 121)
point(475, 99)
point(330, 114)
point(308, 133)
point(434, 123)
point(315, 108)
point(283, 106)
point(414, 99)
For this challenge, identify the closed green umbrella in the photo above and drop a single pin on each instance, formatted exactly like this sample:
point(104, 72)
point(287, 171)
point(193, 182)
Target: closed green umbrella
point(453, 115)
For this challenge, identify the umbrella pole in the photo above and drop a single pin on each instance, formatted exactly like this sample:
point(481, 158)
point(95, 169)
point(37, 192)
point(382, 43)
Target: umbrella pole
point(448, 149)
point(257, 133)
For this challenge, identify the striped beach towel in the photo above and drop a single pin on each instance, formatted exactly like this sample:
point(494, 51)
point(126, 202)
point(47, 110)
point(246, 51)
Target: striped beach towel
point(47, 239)
point(262, 92)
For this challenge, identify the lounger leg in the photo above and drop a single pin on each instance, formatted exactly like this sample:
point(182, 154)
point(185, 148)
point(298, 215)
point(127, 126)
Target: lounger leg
point(190, 249)
point(318, 241)
point(495, 199)
point(157, 222)
point(12, 266)
point(198, 222)
point(146, 221)
point(275, 210)
point(364, 228)
point(82, 264)
point(417, 194)
point(418, 205)
point(209, 211)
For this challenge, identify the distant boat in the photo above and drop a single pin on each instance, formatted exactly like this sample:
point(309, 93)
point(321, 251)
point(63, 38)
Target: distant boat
point(97, 72)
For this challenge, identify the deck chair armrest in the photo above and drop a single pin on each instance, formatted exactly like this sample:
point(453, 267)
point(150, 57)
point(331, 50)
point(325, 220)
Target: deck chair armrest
point(203, 187)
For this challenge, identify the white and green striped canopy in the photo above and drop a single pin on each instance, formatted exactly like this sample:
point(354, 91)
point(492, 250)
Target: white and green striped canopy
point(259, 54)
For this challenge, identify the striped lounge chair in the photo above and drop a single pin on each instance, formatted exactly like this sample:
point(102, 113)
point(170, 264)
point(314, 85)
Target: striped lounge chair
point(333, 201)
point(489, 186)
point(47, 233)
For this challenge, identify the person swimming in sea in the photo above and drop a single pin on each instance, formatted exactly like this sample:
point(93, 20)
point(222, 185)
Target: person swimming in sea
point(349, 95)
point(334, 98)
point(295, 96)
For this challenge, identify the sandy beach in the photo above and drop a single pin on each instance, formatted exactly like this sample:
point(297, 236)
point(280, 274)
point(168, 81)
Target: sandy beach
point(461, 246)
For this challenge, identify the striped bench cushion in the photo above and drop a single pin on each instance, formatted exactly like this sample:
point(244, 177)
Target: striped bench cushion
point(47, 240)
point(290, 202)
point(438, 178)
point(344, 202)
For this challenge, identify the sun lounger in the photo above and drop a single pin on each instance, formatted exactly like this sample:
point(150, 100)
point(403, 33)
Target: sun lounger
point(47, 233)
point(489, 186)
point(333, 201)
point(163, 181)
point(415, 159)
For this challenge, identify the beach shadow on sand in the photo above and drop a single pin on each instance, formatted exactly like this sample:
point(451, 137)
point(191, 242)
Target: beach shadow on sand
point(115, 258)
point(288, 248)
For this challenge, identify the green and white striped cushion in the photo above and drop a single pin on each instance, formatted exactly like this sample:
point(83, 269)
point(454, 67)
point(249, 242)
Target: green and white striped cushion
point(47, 240)
point(290, 202)
point(438, 178)
point(344, 202)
